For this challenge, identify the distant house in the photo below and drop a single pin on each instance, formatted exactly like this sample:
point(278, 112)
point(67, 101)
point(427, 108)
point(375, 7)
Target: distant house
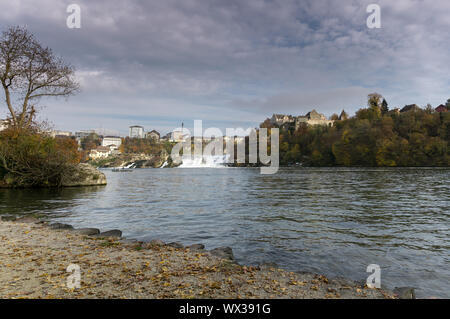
point(311, 118)
point(58, 133)
point(178, 136)
point(154, 135)
point(82, 134)
point(280, 119)
point(411, 107)
point(100, 152)
point(165, 137)
point(136, 131)
point(114, 141)
point(441, 108)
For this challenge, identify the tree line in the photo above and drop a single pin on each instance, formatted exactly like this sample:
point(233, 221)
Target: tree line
point(375, 136)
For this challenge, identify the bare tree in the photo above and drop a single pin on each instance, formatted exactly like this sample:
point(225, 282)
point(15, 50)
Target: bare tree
point(28, 72)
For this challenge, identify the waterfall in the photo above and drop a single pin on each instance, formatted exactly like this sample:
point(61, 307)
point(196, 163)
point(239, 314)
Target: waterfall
point(215, 161)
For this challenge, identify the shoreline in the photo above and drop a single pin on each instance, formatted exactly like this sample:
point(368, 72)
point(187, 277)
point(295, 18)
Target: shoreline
point(34, 260)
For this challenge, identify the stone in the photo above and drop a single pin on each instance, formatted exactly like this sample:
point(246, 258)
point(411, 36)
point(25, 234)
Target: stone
point(175, 245)
point(8, 218)
point(111, 233)
point(84, 175)
point(156, 242)
point(60, 226)
point(28, 220)
point(223, 252)
point(87, 231)
point(405, 292)
point(196, 247)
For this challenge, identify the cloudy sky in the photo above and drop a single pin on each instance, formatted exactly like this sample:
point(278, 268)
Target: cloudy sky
point(233, 63)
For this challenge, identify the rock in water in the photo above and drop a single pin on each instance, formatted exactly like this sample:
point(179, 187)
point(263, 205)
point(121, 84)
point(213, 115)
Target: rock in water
point(84, 175)
point(223, 252)
point(405, 292)
point(155, 242)
point(8, 218)
point(60, 226)
point(111, 233)
point(87, 231)
point(175, 245)
point(196, 247)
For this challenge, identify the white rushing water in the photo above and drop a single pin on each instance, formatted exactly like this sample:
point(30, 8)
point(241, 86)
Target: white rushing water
point(164, 165)
point(214, 161)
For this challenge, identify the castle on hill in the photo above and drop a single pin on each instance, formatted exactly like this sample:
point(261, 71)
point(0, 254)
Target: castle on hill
point(311, 118)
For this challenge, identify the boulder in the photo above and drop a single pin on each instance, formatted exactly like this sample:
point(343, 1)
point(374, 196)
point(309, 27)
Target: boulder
point(87, 231)
point(223, 252)
point(196, 247)
point(84, 175)
point(405, 292)
point(175, 245)
point(60, 226)
point(111, 233)
point(8, 218)
point(155, 242)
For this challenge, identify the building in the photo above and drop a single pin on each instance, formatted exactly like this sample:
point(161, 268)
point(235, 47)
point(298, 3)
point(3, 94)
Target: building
point(114, 141)
point(178, 136)
point(441, 108)
point(311, 118)
point(83, 134)
point(280, 119)
point(136, 131)
point(411, 107)
point(154, 135)
point(166, 137)
point(100, 152)
point(58, 133)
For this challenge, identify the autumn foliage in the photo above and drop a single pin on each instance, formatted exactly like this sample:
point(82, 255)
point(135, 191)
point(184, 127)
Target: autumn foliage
point(31, 158)
point(371, 139)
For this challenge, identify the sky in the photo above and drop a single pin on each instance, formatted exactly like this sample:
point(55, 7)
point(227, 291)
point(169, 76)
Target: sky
point(233, 63)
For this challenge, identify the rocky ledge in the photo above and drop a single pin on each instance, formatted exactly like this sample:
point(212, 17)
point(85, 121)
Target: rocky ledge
point(84, 175)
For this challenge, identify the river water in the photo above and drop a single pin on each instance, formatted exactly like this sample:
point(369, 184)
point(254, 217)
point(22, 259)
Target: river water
point(332, 221)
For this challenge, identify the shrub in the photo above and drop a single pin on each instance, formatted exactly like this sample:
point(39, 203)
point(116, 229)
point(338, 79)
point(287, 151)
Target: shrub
point(31, 158)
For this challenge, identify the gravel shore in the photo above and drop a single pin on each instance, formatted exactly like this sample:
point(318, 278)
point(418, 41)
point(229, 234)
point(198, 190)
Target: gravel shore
point(34, 261)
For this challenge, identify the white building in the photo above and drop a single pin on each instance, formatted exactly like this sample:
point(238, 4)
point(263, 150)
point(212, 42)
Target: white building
point(178, 136)
point(136, 131)
point(154, 135)
point(100, 152)
point(60, 133)
point(116, 141)
point(84, 133)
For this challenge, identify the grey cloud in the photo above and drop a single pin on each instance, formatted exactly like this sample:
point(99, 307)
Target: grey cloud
point(213, 58)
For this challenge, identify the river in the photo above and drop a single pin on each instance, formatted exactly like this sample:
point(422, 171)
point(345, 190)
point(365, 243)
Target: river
point(332, 221)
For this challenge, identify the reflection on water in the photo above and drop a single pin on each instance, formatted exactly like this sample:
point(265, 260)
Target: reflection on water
point(334, 221)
